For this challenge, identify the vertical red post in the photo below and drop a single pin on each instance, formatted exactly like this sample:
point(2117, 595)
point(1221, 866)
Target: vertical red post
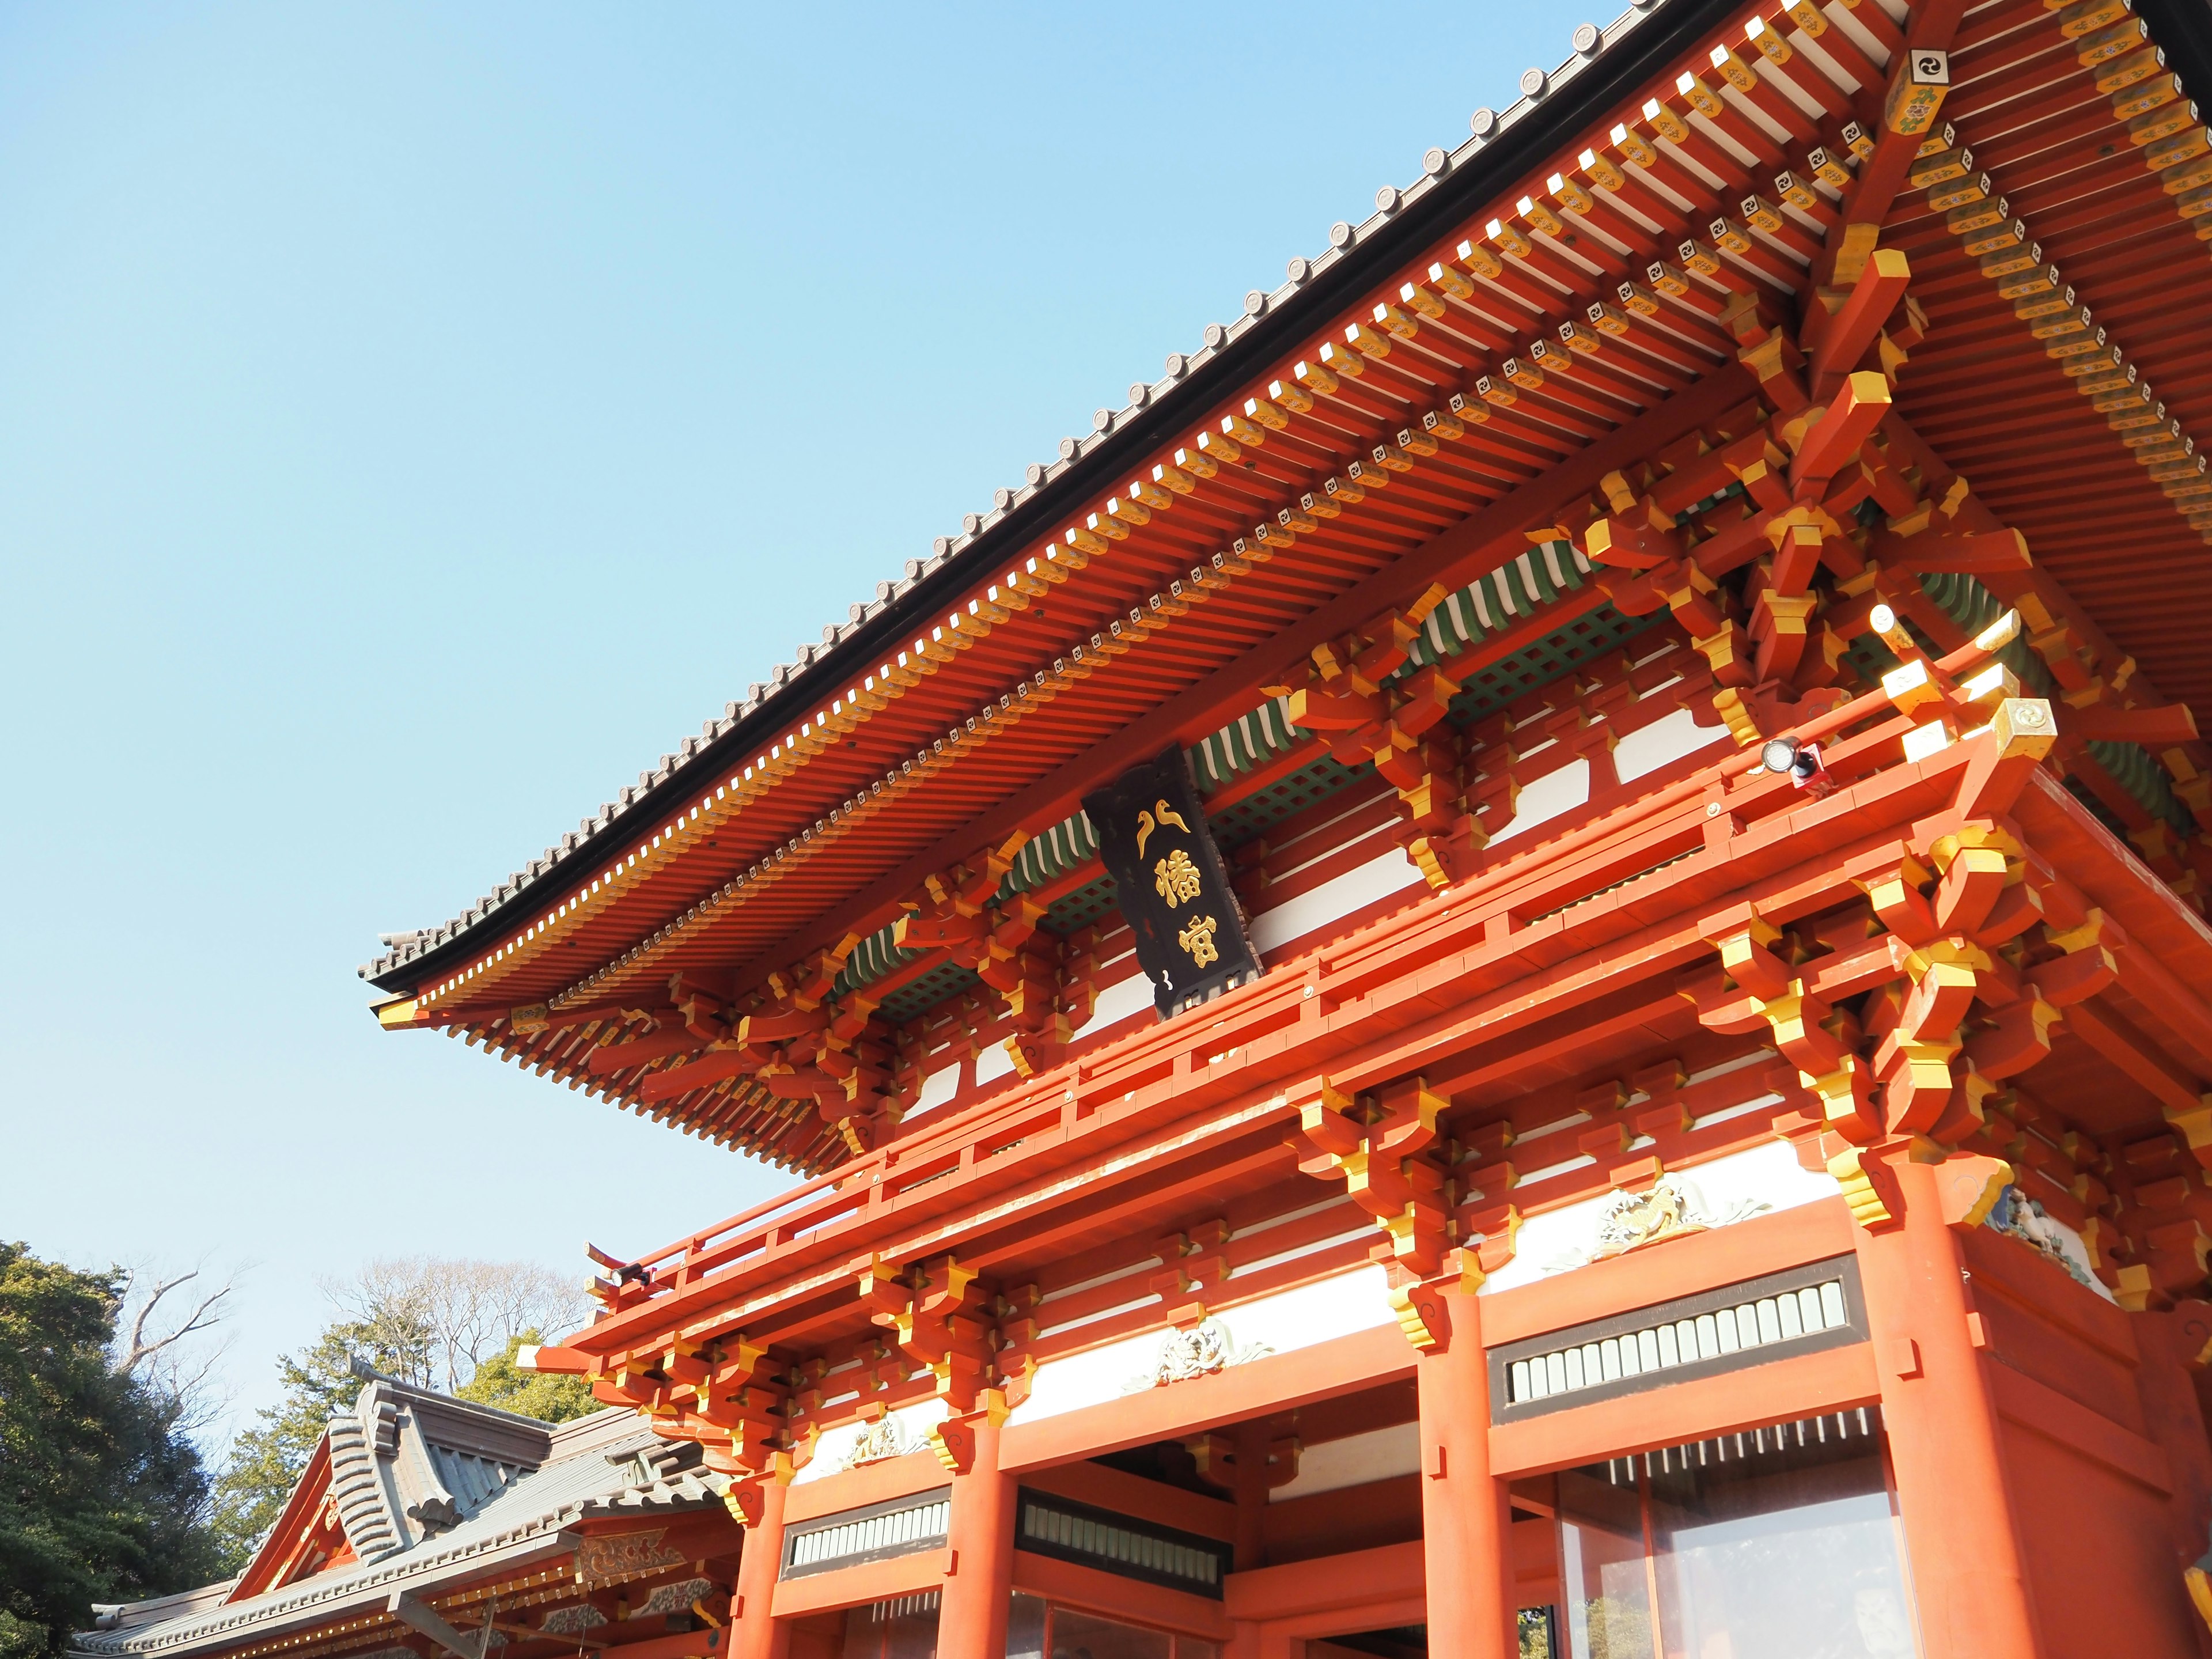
point(758, 1635)
point(1466, 1513)
point(1251, 1494)
point(1966, 1575)
point(972, 1620)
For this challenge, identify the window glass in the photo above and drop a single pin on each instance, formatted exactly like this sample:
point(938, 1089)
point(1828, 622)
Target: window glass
point(864, 1636)
point(1080, 1636)
point(1604, 1580)
point(1025, 1627)
point(903, 1629)
point(1534, 1626)
point(1763, 1545)
point(910, 1632)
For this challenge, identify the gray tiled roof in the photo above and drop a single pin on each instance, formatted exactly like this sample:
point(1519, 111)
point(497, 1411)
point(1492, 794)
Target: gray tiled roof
point(510, 1506)
point(768, 698)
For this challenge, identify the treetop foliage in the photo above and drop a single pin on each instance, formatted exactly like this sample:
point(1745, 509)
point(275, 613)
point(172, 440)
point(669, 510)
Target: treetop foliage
point(500, 1383)
point(101, 1497)
point(433, 1321)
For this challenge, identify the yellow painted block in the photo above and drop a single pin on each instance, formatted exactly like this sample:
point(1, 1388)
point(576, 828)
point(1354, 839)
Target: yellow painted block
point(2175, 180)
point(2161, 123)
point(1970, 217)
point(2087, 16)
point(1915, 92)
point(2026, 283)
point(2128, 71)
point(2131, 101)
point(1940, 167)
point(1959, 191)
point(2108, 45)
point(2179, 147)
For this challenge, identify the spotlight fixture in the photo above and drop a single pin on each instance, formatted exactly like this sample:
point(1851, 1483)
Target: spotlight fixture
point(1800, 761)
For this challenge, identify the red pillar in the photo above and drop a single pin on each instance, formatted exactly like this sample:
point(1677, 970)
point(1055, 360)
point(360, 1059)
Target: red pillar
point(2169, 1345)
point(972, 1620)
point(1250, 1492)
point(1465, 1515)
point(1966, 1573)
point(758, 1635)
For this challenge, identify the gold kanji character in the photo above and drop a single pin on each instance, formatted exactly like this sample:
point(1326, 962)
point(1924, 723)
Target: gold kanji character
point(1177, 878)
point(1198, 940)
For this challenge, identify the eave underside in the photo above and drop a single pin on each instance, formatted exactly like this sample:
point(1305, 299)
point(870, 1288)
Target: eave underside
point(832, 847)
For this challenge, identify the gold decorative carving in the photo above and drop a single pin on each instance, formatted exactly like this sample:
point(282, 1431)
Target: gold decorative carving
point(611, 1557)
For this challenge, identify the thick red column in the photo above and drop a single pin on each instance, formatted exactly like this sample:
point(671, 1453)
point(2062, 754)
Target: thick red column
point(972, 1621)
point(1466, 1515)
point(1250, 1493)
point(1966, 1575)
point(758, 1635)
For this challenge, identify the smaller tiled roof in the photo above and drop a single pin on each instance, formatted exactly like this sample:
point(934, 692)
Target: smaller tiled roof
point(512, 1485)
point(408, 1464)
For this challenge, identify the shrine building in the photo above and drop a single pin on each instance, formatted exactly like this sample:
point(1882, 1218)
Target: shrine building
point(1519, 968)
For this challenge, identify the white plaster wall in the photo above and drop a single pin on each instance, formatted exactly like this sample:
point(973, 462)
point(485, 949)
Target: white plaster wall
point(836, 1444)
point(938, 1087)
point(992, 1062)
point(1768, 1175)
point(1661, 743)
point(1117, 1001)
point(1354, 1461)
point(1551, 796)
point(1388, 872)
point(1288, 1320)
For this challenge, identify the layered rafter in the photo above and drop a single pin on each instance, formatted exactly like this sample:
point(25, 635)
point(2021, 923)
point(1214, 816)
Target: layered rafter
point(1804, 325)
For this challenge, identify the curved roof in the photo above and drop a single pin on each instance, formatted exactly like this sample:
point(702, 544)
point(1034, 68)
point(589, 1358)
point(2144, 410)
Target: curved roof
point(1454, 183)
point(426, 1488)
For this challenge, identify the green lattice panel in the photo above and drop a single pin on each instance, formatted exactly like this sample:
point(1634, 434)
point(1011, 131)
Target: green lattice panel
point(1869, 659)
point(1592, 635)
point(946, 979)
point(1308, 786)
point(1080, 908)
point(1584, 637)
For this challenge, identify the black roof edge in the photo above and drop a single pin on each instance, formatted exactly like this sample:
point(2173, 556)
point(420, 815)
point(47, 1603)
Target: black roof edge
point(1597, 84)
point(2183, 28)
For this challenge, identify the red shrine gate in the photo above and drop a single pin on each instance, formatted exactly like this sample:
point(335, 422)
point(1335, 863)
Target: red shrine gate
point(1519, 966)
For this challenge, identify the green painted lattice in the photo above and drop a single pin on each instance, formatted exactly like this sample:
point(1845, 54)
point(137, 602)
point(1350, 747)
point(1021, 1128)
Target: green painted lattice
point(1973, 607)
point(872, 958)
point(1311, 784)
point(946, 979)
point(1505, 598)
point(1081, 907)
point(1592, 635)
point(1248, 741)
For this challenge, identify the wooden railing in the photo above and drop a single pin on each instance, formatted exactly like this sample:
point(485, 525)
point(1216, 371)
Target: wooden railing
point(1151, 1078)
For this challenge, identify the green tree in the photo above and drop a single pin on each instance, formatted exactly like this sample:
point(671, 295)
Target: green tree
point(102, 1499)
point(266, 1459)
point(499, 1382)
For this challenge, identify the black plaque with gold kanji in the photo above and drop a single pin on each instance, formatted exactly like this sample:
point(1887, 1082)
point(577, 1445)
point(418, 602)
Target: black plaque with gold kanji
point(1172, 884)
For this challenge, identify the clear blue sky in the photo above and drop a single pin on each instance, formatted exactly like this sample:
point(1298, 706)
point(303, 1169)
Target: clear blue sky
point(414, 421)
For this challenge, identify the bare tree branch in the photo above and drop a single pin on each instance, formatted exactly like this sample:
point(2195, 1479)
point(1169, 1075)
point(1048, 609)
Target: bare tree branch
point(142, 1347)
point(472, 1309)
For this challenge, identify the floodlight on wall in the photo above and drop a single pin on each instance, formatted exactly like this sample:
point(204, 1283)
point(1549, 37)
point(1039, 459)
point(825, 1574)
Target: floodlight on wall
point(1799, 762)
